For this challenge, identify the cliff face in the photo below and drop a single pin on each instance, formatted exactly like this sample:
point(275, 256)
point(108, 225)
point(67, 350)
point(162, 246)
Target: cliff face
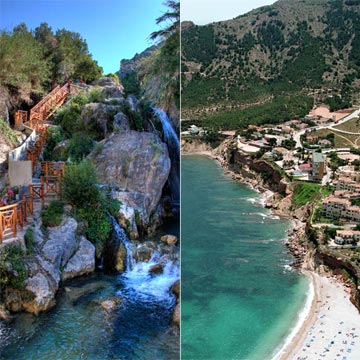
point(58, 255)
point(130, 65)
point(337, 264)
point(269, 175)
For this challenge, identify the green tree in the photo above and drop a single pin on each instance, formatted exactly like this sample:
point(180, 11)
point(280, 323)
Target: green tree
point(172, 20)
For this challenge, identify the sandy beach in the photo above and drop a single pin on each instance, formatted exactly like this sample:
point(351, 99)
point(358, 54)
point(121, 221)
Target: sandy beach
point(331, 329)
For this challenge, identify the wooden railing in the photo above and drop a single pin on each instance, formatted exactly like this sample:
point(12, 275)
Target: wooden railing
point(14, 216)
point(20, 118)
point(33, 153)
point(44, 108)
point(48, 105)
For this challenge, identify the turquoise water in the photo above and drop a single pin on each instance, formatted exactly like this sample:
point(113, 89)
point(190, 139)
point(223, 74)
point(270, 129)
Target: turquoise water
point(239, 300)
point(78, 328)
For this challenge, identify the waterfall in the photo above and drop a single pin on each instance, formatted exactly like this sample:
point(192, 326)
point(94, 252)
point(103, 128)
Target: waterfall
point(138, 279)
point(122, 237)
point(173, 144)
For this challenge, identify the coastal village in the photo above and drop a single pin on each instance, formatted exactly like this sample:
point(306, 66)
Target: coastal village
point(320, 149)
point(319, 157)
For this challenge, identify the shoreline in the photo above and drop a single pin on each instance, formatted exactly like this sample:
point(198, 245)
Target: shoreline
point(331, 328)
point(300, 341)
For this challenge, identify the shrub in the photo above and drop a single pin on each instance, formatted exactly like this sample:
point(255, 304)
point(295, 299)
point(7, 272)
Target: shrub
point(12, 267)
point(80, 185)
point(98, 225)
point(29, 240)
point(131, 83)
point(55, 136)
point(80, 146)
point(52, 214)
point(7, 132)
point(95, 95)
point(69, 118)
point(112, 206)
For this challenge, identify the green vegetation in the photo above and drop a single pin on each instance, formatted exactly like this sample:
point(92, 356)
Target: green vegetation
point(131, 83)
point(246, 61)
point(79, 187)
point(32, 60)
point(52, 214)
point(305, 192)
point(29, 240)
point(81, 191)
point(8, 133)
point(80, 146)
point(12, 268)
point(278, 111)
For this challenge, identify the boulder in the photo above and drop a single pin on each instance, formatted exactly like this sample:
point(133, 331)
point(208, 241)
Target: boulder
point(110, 304)
point(4, 314)
point(175, 289)
point(63, 236)
point(157, 269)
point(114, 255)
point(176, 315)
point(121, 121)
point(138, 164)
point(82, 262)
point(42, 292)
point(127, 220)
point(169, 239)
point(143, 253)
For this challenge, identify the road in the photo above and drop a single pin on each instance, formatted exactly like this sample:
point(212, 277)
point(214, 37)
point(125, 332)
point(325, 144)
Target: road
point(331, 126)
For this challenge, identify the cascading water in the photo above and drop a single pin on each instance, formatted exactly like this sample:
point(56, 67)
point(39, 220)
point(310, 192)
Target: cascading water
point(139, 280)
point(78, 327)
point(173, 144)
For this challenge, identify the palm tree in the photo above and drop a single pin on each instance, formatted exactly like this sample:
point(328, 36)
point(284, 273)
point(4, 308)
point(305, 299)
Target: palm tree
point(172, 15)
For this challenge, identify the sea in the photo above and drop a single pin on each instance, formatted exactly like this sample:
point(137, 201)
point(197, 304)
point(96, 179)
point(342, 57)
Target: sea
point(240, 297)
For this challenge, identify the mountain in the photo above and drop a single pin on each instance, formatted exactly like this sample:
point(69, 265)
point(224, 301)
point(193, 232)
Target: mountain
point(130, 65)
point(271, 57)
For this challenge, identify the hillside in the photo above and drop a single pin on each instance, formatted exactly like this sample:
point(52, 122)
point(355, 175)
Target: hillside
point(277, 55)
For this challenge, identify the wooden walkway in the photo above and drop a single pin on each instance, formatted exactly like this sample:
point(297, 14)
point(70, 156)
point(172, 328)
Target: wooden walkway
point(14, 216)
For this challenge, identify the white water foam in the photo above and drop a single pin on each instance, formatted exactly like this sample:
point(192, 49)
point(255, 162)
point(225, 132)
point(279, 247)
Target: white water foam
point(303, 314)
point(149, 286)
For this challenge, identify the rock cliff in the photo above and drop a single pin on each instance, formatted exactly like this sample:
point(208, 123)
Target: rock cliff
point(59, 254)
point(137, 165)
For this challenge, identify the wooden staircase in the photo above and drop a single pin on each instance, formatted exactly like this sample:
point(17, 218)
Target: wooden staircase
point(46, 107)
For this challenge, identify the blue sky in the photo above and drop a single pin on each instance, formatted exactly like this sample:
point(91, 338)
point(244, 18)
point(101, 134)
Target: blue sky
point(113, 29)
point(206, 11)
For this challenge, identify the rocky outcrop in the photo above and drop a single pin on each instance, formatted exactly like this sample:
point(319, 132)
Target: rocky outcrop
point(111, 87)
point(121, 122)
point(114, 255)
point(82, 262)
point(130, 65)
point(169, 239)
point(137, 165)
point(176, 317)
point(127, 220)
point(59, 255)
point(99, 116)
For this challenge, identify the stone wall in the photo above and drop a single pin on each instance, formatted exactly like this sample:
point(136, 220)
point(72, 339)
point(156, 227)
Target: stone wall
point(20, 152)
